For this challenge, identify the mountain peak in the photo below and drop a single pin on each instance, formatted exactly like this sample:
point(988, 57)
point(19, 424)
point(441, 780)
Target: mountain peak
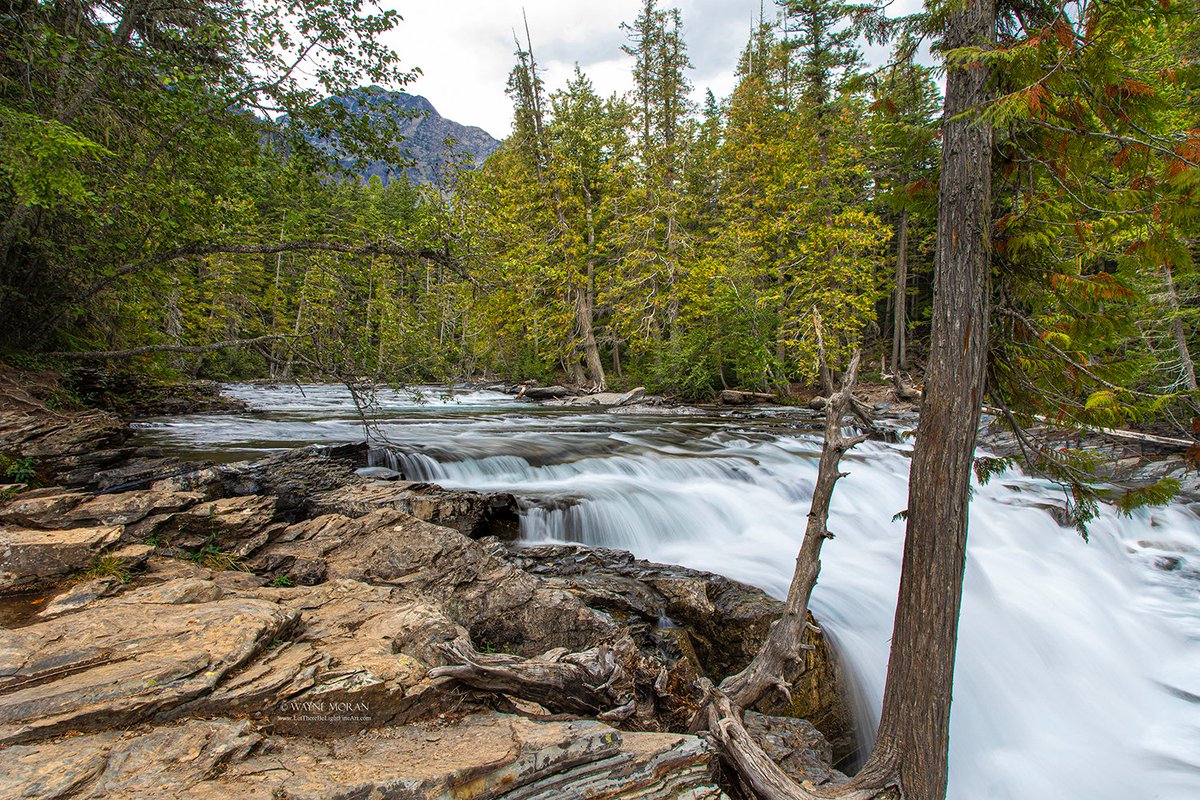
point(423, 134)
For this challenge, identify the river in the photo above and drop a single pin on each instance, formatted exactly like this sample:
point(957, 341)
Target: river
point(1078, 662)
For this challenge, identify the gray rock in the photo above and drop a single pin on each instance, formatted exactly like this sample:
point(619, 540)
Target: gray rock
point(795, 745)
point(501, 606)
point(378, 473)
point(716, 623)
point(474, 514)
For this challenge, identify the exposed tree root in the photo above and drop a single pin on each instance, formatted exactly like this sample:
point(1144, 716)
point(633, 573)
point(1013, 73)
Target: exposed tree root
point(761, 777)
point(592, 683)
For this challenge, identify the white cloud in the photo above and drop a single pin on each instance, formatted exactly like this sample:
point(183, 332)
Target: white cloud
point(465, 47)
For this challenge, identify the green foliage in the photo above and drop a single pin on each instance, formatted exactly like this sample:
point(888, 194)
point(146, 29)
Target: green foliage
point(39, 158)
point(988, 467)
point(133, 128)
point(107, 566)
point(18, 469)
point(1159, 493)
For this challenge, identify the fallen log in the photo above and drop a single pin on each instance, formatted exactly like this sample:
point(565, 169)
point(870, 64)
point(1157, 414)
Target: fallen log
point(734, 397)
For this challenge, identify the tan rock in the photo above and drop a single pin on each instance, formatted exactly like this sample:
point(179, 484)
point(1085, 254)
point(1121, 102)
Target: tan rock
point(117, 662)
point(482, 756)
point(501, 606)
point(31, 558)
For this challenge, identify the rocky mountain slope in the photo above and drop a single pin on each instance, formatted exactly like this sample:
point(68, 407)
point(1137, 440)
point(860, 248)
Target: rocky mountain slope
point(423, 135)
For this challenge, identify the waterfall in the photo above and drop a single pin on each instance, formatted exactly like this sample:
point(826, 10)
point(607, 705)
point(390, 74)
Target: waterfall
point(1078, 662)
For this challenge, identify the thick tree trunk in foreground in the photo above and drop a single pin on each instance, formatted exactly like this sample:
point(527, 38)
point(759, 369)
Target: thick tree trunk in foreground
point(915, 726)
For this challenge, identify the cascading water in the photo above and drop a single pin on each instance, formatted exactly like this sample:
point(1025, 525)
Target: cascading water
point(1078, 662)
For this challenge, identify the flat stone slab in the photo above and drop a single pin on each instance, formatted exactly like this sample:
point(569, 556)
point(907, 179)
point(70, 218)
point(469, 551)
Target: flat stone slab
point(482, 756)
point(31, 558)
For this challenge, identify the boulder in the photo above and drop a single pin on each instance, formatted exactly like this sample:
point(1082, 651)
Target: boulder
point(125, 660)
point(55, 508)
point(717, 623)
point(795, 745)
point(474, 514)
point(79, 595)
point(67, 447)
point(200, 647)
point(233, 526)
point(503, 607)
point(41, 508)
point(33, 558)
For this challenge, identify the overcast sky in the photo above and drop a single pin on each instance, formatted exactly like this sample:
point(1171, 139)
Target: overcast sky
point(465, 47)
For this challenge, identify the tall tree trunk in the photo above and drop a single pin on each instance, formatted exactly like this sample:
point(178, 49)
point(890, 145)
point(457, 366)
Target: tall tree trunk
point(915, 725)
point(900, 315)
point(1178, 332)
point(587, 302)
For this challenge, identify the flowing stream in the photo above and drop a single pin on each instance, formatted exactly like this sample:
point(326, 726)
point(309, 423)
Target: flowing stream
point(1078, 669)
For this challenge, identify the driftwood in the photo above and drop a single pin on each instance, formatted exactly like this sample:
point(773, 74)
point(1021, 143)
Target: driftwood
point(592, 683)
point(733, 397)
point(547, 392)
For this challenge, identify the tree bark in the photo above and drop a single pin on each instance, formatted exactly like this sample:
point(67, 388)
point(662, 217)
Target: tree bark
point(900, 316)
point(1188, 366)
point(587, 302)
point(915, 724)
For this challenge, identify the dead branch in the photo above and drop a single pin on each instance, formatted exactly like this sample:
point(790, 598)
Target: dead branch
point(591, 683)
point(104, 355)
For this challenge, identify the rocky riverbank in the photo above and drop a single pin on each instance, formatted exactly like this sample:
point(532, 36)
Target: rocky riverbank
point(276, 628)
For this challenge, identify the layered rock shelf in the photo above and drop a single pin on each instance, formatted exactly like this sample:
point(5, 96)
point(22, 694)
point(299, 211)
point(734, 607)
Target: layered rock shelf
point(274, 628)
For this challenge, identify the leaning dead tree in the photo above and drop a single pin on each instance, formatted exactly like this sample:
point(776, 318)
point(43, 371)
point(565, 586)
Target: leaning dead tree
point(783, 651)
point(782, 654)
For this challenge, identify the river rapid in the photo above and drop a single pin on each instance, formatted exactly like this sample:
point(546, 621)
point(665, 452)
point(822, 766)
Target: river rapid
point(1078, 669)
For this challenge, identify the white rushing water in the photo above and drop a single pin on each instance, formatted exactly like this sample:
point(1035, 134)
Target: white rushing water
point(1078, 669)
